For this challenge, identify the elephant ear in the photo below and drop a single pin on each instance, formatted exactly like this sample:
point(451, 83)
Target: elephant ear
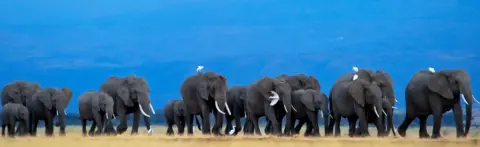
point(68, 94)
point(124, 94)
point(438, 83)
point(266, 85)
point(202, 90)
point(357, 91)
point(45, 98)
point(307, 98)
point(14, 91)
point(96, 104)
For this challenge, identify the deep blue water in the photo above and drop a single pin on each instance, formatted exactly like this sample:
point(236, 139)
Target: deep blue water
point(81, 43)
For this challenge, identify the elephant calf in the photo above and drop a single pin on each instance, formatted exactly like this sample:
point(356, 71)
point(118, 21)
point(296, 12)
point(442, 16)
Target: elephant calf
point(96, 107)
point(175, 114)
point(308, 103)
point(11, 113)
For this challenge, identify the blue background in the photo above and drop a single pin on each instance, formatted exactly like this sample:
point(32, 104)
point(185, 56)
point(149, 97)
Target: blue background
point(81, 43)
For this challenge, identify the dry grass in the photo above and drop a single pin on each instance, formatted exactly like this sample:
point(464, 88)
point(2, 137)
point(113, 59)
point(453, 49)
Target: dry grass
point(74, 139)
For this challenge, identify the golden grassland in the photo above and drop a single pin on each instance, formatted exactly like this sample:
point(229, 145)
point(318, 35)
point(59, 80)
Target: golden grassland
point(75, 139)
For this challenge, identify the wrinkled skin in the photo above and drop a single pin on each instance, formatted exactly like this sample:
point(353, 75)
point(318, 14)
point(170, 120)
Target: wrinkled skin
point(236, 101)
point(296, 82)
point(130, 94)
point(174, 113)
point(308, 103)
point(45, 105)
point(434, 94)
point(258, 104)
point(96, 107)
point(11, 114)
point(352, 100)
point(204, 93)
point(18, 92)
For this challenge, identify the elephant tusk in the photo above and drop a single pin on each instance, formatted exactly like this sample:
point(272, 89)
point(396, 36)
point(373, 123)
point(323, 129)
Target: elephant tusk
point(274, 98)
point(355, 77)
point(294, 108)
point(394, 107)
point(475, 99)
point(228, 109)
point(396, 100)
point(113, 116)
point(330, 115)
point(232, 130)
point(384, 113)
point(285, 108)
point(65, 112)
point(464, 100)
point(151, 107)
point(321, 115)
point(143, 112)
point(106, 115)
point(218, 108)
point(245, 114)
point(376, 113)
point(57, 113)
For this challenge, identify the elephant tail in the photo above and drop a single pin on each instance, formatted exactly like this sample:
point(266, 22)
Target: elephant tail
point(198, 123)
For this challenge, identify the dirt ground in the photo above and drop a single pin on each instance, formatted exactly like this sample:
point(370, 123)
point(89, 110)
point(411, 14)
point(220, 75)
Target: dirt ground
point(75, 139)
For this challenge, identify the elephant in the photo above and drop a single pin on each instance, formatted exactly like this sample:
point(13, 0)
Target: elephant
point(307, 104)
point(236, 100)
point(354, 99)
point(11, 114)
point(96, 107)
point(130, 94)
point(174, 113)
point(434, 93)
point(203, 93)
point(18, 92)
point(269, 97)
point(45, 105)
point(296, 82)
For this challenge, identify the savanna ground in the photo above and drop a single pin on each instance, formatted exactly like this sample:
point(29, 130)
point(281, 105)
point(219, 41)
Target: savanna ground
point(75, 139)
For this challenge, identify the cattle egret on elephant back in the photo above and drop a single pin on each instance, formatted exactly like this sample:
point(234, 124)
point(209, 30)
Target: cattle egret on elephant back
point(431, 69)
point(199, 68)
point(355, 69)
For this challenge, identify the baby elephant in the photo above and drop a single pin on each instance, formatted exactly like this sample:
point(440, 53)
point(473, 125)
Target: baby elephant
point(174, 114)
point(96, 107)
point(11, 113)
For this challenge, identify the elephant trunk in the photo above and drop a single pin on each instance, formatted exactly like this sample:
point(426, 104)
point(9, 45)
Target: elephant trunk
point(378, 109)
point(61, 117)
point(466, 95)
point(325, 116)
point(221, 102)
point(287, 104)
point(389, 114)
point(144, 105)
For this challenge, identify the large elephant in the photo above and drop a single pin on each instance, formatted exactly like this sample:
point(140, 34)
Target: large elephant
point(354, 99)
point(307, 104)
point(174, 113)
point(296, 82)
point(45, 105)
point(434, 93)
point(96, 107)
point(269, 97)
point(236, 100)
point(18, 92)
point(11, 114)
point(203, 93)
point(130, 94)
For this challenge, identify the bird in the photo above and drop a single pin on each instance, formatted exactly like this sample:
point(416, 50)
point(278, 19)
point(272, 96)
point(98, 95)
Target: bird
point(431, 69)
point(355, 69)
point(199, 68)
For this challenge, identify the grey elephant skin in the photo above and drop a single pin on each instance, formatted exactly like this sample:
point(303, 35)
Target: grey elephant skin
point(203, 93)
point(11, 114)
point(385, 83)
point(430, 93)
point(45, 105)
point(307, 104)
point(267, 97)
point(353, 100)
point(130, 94)
point(174, 113)
point(236, 100)
point(96, 107)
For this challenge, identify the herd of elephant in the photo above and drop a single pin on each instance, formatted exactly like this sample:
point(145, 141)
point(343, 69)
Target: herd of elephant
point(364, 95)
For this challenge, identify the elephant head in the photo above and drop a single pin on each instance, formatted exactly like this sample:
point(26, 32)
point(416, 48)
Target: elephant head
point(275, 90)
point(19, 92)
point(214, 86)
point(385, 83)
point(102, 102)
point(451, 84)
point(135, 90)
point(53, 99)
point(314, 101)
point(23, 116)
point(365, 93)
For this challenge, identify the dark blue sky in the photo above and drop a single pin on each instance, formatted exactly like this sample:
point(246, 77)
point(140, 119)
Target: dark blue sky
point(81, 43)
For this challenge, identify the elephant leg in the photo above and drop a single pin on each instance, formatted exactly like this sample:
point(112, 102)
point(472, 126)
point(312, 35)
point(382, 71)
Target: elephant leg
point(380, 127)
point(238, 125)
point(313, 121)
point(352, 121)
point(181, 128)
point(362, 120)
point(148, 126)
point(49, 125)
point(84, 127)
point(337, 119)
point(3, 129)
point(268, 127)
point(247, 127)
point(170, 129)
point(11, 130)
point(457, 111)
point(423, 126)
point(301, 122)
point(402, 129)
point(92, 128)
point(217, 127)
point(228, 127)
point(177, 122)
point(122, 127)
point(437, 107)
point(270, 115)
point(205, 114)
point(98, 119)
point(189, 122)
point(34, 127)
point(136, 122)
